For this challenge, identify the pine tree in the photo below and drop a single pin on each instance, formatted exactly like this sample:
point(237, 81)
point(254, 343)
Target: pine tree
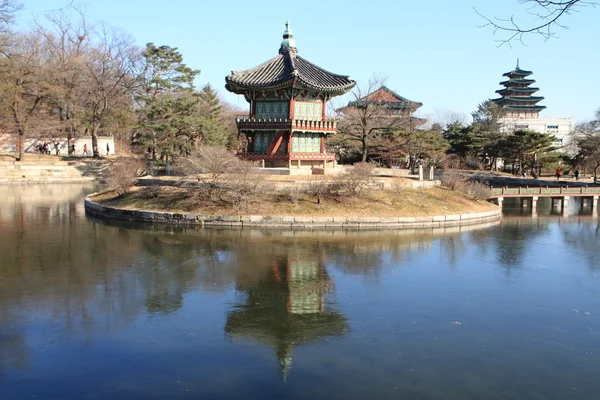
point(168, 105)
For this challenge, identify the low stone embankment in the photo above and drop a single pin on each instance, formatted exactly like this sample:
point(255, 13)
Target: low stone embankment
point(289, 222)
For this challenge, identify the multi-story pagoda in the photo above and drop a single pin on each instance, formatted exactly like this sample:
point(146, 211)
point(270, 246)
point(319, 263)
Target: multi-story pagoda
point(517, 100)
point(287, 124)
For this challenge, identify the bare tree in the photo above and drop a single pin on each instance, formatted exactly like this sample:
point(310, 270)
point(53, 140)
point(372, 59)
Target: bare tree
point(109, 79)
point(547, 14)
point(22, 84)
point(442, 118)
point(587, 140)
point(7, 13)
point(210, 164)
point(67, 43)
point(369, 114)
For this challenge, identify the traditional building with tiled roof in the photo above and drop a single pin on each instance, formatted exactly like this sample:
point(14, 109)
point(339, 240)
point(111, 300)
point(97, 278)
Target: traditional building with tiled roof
point(390, 105)
point(287, 125)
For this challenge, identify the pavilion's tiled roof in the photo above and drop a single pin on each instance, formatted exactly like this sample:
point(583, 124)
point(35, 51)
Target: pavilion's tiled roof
point(284, 69)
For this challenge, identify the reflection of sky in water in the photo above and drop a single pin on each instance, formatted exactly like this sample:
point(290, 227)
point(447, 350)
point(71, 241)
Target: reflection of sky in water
point(95, 310)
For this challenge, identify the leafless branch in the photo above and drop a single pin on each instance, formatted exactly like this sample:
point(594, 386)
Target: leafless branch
point(547, 14)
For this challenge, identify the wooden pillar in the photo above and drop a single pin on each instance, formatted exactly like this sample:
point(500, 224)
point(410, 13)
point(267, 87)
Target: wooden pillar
point(500, 201)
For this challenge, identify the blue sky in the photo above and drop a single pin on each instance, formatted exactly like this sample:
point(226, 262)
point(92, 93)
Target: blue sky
point(430, 51)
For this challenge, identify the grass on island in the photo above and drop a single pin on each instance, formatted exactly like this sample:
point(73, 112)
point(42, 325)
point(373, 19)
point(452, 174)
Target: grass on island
point(381, 203)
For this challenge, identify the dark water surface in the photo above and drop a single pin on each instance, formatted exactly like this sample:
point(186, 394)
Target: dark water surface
point(94, 310)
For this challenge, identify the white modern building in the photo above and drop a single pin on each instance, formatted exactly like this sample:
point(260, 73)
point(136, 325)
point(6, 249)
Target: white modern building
point(560, 127)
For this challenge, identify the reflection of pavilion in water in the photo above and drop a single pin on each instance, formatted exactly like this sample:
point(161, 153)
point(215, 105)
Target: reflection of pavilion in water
point(286, 308)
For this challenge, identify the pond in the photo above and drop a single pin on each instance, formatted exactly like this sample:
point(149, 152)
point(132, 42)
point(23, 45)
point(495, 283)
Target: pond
point(93, 310)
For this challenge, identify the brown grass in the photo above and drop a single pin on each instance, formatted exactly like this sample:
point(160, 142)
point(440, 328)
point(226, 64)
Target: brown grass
point(407, 202)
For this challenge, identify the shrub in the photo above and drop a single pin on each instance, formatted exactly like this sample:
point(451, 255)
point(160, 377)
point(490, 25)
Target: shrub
point(243, 186)
point(453, 179)
point(356, 179)
point(293, 193)
point(394, 192)
point(477, 190)
point(123, 173)
point(323, 187)
point(209, 165)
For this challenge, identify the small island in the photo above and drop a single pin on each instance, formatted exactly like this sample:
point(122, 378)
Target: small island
point(240, 194)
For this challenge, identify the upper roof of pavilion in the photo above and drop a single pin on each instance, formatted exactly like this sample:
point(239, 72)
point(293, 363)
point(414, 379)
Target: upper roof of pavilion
point(288, 69)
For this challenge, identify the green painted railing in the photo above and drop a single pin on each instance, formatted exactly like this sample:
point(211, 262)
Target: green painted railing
point(545, 191)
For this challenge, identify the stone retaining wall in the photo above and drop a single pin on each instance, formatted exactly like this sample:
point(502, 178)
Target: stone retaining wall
point(52, 172)
point(289, 222)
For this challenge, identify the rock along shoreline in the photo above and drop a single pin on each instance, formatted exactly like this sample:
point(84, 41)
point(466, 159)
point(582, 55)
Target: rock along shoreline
point(289, 222)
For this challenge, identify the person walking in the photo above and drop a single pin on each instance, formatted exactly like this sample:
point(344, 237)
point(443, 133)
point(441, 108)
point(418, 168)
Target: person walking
point(107, 149)
point(85, 151)
point(576, 174)
point(558, 173)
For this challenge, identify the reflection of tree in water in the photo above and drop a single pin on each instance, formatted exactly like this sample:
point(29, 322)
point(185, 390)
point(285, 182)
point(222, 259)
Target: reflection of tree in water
point(285, 307)
point(582, 238)
point(453, 246)
point(511, 240)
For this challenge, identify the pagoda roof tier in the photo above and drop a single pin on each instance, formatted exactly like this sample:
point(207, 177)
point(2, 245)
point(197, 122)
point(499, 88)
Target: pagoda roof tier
point(527, 90)
point(517, 81)
point(534, 99)
point(287, 70)
point(517, 72)
point(525, 108)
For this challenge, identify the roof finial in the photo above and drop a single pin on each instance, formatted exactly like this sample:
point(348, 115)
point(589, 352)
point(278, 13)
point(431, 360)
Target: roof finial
point(288, 38)
point(517, 62)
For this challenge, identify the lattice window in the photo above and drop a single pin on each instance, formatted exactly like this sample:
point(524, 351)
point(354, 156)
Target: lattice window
point(262, 140)
point(266, 109)
point(308, 111)
point(306, 142)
